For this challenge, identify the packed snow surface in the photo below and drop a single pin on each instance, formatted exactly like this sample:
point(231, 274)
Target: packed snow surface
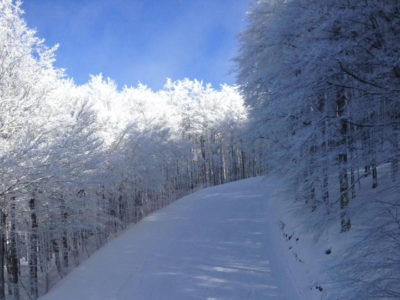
point(214, 244)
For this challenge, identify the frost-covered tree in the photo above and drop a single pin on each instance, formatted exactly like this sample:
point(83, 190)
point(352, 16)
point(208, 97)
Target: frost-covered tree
point(322, 81)
point(26, 76)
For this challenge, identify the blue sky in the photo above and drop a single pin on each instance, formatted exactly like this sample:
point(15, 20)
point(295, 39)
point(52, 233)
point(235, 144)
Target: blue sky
point(141, 40)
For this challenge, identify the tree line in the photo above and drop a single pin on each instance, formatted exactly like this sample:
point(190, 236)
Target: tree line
point(78, 164)
point(323, 81)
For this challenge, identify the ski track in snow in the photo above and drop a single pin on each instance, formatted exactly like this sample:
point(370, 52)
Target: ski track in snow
point(213, 244)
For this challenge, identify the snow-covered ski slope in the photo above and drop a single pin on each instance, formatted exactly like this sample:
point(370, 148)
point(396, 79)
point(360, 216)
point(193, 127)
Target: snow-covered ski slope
point(218, 243)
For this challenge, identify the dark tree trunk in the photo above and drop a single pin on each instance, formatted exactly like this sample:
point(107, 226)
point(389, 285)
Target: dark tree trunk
point(12, 255)
point(2, 253)
point(342, 159)
point(64, 222)
point(33, 260)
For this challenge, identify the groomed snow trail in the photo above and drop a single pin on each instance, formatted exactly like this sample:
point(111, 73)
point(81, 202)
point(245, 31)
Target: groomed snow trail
point(213, 244)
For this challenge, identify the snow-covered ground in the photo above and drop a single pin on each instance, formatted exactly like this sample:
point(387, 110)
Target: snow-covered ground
point(222, 242)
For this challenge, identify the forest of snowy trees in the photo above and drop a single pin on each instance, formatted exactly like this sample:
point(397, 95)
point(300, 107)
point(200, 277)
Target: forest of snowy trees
point(80, 163)
point(323, 80)
point(317, 102)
